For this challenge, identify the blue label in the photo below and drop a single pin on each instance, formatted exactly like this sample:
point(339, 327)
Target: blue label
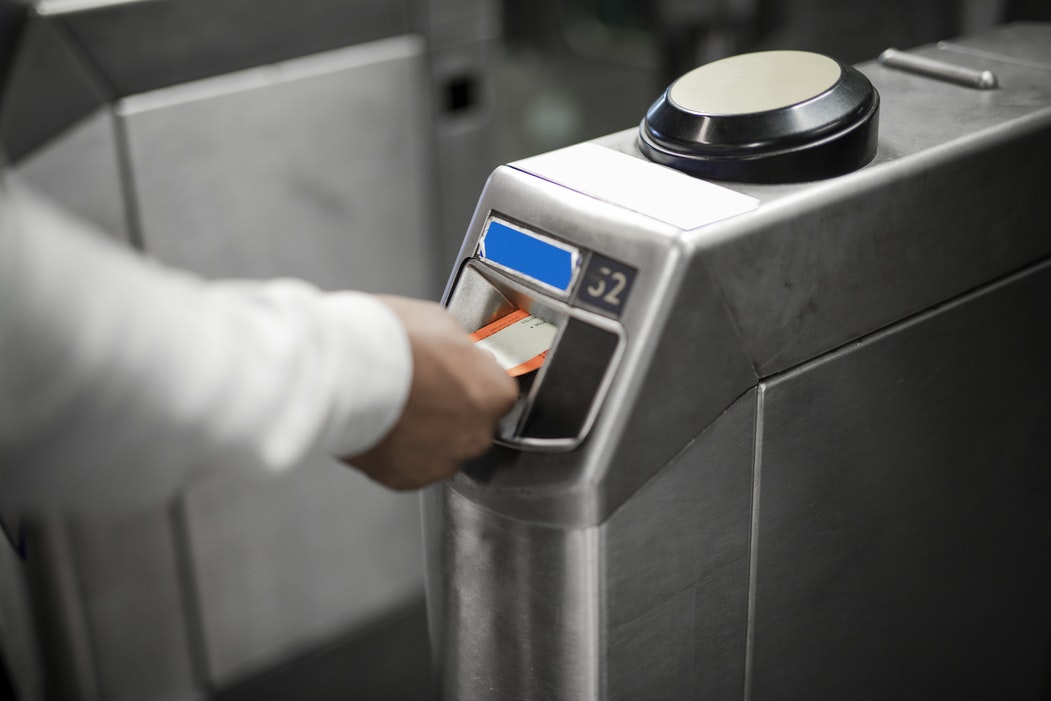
point(536, 257)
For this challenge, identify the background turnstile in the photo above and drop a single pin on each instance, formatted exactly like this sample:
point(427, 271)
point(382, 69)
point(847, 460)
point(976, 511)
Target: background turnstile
point(802, 453)
point(339, 141)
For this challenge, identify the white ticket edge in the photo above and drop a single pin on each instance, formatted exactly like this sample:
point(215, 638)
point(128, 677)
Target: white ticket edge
point(519, 342)
point(654, 190)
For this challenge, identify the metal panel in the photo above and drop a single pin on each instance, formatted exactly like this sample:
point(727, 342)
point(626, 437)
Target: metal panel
point(108, 608)
point(47, 89)
point(461, 38)
point(462, 93)
point(19, 651)
point(676, 568)
point(904, 542)
point(319, 167)
point(68, 670)
point(899, 543)
point(131, 593)
point(316, 168)
point(846, 257)
point(79, 169)
point(669, 385)
point(483, 585)
point(285, 564)
point(820, 264)
point(347, 210)
point(890, 247)
point(627, 606)
point(142, 45)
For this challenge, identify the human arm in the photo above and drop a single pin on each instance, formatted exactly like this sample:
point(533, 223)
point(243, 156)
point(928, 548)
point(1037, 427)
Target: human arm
point(121, 380)
point(457, 395)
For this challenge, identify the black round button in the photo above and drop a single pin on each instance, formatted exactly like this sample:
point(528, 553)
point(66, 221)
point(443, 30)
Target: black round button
point(765, 117)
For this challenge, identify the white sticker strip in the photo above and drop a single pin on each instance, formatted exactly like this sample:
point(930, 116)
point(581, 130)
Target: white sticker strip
point(641, 186)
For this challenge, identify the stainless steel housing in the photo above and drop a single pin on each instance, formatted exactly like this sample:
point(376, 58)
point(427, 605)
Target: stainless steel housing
point(819, 468)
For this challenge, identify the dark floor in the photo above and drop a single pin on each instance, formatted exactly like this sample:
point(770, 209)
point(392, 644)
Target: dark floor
point(389, 661)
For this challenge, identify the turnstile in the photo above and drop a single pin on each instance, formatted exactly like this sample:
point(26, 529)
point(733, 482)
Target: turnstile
point(339, 141)
point(790, 439)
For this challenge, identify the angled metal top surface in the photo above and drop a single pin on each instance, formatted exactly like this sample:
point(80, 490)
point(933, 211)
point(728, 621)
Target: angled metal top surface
point(954, 200)
point(62, 59)
point(140, 45)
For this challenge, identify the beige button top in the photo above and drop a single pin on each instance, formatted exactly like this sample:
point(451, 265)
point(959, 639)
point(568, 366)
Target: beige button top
point(756, 82)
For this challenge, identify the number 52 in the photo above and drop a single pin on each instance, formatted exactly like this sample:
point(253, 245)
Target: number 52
point(607, 285)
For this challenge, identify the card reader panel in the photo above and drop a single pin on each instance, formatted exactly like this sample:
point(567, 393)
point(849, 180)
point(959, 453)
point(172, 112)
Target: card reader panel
point(558, 403)
point(563, 402)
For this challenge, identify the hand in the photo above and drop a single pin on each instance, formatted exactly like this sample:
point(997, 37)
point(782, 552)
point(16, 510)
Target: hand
point(458, 395)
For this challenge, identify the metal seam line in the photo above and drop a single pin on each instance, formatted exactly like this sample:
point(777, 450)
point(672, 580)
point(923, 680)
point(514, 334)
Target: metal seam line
point(753, 540)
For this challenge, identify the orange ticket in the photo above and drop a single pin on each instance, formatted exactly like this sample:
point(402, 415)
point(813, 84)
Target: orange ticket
point(518, 341)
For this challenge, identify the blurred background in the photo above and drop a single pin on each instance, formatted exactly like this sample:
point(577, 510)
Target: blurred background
point(345, 142)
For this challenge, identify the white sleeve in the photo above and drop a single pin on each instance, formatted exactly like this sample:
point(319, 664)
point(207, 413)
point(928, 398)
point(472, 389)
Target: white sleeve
point(121, 379)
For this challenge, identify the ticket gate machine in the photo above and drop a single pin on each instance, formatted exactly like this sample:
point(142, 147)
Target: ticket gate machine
point(790, 439)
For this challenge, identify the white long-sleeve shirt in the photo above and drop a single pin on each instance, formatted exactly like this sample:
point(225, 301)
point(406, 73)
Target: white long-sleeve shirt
point(120, 380)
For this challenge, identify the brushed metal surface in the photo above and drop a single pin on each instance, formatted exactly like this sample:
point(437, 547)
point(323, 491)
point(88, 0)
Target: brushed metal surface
point(106, 595)
point(316, 168)
point(46, 89)
point(321, 167)
point(676, 571)
point(146, 45)
point(844, 258)
point(815, 266)
point(18, 637)
point(893, 541)
point(67, 670)
point(285, 564)
point(499, 640)
point(650, 604)
point(463, 143)
point(901, 551)
point(820, 264)
point(904, 541)
point(343, 210)
point(80, 170)
point(894, 240)
point(130, 587)
point(668, 385)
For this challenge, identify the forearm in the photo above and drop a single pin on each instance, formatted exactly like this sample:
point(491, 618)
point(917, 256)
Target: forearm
point(123, 379)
